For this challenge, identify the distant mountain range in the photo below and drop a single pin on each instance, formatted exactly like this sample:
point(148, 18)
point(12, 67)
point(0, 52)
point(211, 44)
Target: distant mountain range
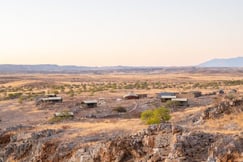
point(214, 65)
point(229, 62)
point(51, 68)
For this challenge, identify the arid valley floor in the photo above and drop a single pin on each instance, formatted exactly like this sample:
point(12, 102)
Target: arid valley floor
point(209, 129)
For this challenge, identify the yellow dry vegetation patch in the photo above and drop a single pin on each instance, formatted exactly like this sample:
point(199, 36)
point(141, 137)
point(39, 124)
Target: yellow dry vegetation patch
point(19, 83)
point(177, 116)
point(66, 78)
point(228, 124)
point(91, 128)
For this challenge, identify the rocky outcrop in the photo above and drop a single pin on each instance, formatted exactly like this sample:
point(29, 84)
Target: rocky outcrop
point(225, 107)
point(39, 146)
point(191, 146)
point(151, 144)
point(165, 142)
point(229, 148)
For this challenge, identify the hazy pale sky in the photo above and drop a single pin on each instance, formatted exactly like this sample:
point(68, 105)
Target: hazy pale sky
point(119, 32)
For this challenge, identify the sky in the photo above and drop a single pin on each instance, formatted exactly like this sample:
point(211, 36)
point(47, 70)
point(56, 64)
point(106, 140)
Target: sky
point(120, 32)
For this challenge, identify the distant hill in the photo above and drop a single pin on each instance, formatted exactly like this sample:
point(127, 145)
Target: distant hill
point(230, 62)
point(39, 68)
point(52, 68)
point(70, 69)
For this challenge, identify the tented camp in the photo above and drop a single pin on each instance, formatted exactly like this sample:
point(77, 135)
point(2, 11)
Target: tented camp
point(167, 98)
point(89, 103)
point(48, 100)
point(181, 101)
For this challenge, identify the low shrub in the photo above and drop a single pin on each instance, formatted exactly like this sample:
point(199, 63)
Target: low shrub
point(172, 104)
point(14, 95)
point(120, 109)
point(156, 116)
point(64, 115)
point(230, 96)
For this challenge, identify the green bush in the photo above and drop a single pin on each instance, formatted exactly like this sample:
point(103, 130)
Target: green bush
point(156, 116)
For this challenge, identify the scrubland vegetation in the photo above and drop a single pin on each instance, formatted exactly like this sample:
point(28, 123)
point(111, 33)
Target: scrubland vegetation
point(29, 92)
point(70, 123)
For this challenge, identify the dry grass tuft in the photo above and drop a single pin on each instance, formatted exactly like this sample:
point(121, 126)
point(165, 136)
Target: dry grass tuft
point(229, 124)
